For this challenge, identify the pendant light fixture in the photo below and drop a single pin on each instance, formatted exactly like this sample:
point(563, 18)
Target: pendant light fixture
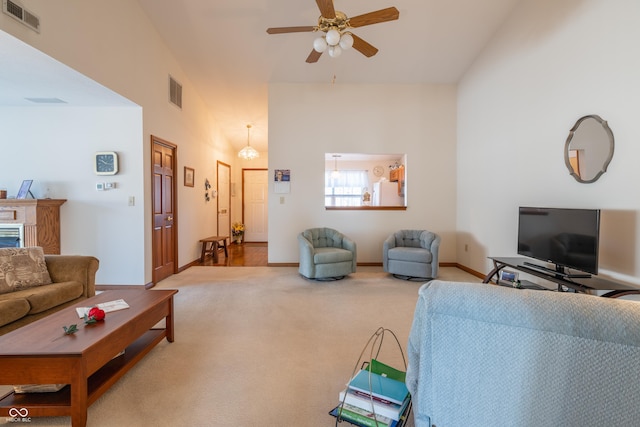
point(335, 173)
point(248, 152)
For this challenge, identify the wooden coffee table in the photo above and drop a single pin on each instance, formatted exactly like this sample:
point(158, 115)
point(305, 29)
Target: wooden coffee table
point(40, 353)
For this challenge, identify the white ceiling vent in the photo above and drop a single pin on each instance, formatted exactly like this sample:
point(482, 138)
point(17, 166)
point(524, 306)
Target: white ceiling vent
point(21, 14)
point(175, 92)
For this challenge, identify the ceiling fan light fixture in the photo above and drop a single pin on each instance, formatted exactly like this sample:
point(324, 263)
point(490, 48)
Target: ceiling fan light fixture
point(320, 44)
point(346, 41)
point(333, 37)
point(334, 27)
point(335, 51)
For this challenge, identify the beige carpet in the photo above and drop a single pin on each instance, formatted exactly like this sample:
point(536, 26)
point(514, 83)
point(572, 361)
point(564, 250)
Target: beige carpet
point(258, 346)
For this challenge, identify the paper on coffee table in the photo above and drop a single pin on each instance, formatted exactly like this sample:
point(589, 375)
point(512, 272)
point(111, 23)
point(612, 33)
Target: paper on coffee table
point(108, 306)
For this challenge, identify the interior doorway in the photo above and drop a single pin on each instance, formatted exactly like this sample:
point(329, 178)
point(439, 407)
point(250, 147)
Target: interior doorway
point(255, 206)
point(164, 234)
point(223, 178)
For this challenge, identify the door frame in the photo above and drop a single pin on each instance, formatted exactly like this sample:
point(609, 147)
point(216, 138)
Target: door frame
point(243, 192)
point(174, 204)
point(218, 163)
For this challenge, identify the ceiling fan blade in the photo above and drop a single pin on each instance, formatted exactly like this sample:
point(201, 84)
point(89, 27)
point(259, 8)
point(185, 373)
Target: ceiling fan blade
point(383, 15)
point(326, 8)
point(282, 30)
point(313, 56)
point(363, 47)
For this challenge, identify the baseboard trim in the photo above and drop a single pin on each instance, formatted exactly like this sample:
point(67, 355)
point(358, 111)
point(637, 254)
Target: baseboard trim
point(191, 264)
point(469, 270)
point(295, 264)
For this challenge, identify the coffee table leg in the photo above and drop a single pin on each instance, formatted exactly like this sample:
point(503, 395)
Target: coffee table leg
point(79, 397)
point(169, 321)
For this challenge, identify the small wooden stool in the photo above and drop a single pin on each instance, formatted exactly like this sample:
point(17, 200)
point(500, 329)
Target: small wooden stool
point(213, 249)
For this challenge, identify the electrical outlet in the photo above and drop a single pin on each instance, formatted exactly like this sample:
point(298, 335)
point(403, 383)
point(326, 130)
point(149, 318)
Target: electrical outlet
point(282, 200)
point(132, 201)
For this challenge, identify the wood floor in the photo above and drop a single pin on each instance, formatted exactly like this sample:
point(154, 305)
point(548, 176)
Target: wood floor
point(242, 255)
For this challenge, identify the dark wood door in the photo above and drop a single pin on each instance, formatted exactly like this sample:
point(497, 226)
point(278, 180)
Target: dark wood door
point(164, 237)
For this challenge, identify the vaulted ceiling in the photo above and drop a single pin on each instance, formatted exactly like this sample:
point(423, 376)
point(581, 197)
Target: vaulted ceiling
point(225, 52)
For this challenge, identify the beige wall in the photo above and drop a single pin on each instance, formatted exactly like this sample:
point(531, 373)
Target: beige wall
point(307, 121)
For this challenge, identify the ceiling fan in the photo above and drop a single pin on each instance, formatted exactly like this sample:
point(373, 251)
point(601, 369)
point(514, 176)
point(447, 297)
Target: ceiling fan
point(336, 26)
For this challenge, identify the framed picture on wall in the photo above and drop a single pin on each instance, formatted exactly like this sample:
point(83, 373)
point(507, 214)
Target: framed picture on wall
point(189, 177)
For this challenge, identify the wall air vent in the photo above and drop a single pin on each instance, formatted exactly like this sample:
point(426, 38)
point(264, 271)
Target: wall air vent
point(175, 92)
point(17, 12)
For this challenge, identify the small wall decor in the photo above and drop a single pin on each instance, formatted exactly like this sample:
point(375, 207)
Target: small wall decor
point(207, 186)
point(282, 178)
point(189, 177)
point(282, 175)
point(106, 163)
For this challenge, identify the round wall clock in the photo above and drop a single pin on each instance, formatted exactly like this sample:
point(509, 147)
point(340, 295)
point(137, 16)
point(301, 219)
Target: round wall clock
point(378, 171)
point(106, 163)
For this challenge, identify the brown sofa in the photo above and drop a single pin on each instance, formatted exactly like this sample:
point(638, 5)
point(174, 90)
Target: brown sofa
point(73, 279)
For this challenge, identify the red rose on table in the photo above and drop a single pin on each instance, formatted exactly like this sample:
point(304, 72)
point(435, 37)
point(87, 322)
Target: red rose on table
point(94, 315)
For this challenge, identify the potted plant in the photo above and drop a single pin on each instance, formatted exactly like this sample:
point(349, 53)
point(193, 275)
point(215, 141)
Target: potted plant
point(237, 230)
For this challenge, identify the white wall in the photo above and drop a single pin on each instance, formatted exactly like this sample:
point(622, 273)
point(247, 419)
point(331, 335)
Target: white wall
point(123, 52)
point(552, 63)
point(307, 121)
point(55, 147)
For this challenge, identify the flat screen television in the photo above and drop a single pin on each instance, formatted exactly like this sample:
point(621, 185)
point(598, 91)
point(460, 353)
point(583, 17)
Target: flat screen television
point(567, 238)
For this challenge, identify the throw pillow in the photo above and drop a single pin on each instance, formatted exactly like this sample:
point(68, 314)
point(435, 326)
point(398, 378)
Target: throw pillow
point(22, 268)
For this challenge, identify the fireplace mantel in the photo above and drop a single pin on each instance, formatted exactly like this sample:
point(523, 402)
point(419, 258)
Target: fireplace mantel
point(41, 219)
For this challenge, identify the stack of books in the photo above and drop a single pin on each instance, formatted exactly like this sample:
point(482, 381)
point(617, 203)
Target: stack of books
point(376, 396)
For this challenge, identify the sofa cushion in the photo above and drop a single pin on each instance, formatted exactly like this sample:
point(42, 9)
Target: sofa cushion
point(331, 255)
point(14, 309)
point(45, 297)
point(410, 255)
point(22, 268)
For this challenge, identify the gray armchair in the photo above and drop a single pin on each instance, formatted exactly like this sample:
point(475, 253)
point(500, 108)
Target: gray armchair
point(411, 254)
point(326, 253)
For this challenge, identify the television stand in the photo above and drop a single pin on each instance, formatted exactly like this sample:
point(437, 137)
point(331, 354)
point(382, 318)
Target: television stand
point(558, 271)
point(577, 284)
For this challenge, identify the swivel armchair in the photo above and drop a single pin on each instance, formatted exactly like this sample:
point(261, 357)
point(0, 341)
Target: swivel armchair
point(411, 254)
point(326, 254)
